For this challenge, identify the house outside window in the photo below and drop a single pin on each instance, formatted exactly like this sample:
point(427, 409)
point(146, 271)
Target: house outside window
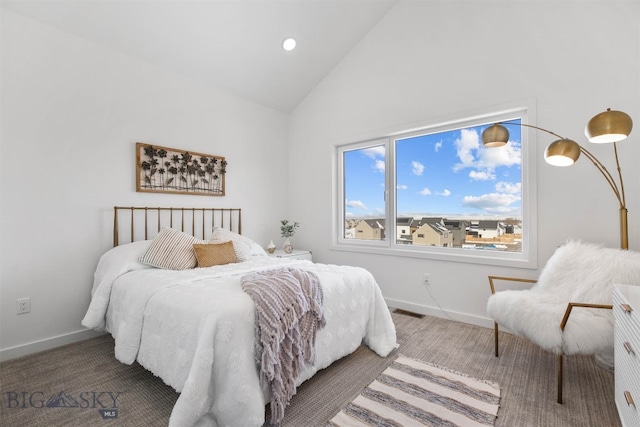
point(445, 195)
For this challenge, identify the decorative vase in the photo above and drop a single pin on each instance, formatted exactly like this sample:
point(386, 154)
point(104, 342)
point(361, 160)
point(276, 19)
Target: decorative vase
point(288, 248)
point(271, 247)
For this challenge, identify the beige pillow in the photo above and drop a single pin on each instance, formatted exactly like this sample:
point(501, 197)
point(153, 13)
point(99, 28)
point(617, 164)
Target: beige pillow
point(172, 250)
point(211, 254)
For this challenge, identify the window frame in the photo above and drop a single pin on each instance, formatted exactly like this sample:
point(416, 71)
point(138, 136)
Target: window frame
point(524, 110)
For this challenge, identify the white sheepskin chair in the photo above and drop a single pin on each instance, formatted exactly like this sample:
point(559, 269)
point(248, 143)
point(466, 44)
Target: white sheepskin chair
point(565, 312)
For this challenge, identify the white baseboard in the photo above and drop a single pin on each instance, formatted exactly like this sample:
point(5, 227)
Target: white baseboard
point(47, 344)
point(437, 312)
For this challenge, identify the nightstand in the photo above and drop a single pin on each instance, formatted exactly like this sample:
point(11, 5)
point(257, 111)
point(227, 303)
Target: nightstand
point(296, 254)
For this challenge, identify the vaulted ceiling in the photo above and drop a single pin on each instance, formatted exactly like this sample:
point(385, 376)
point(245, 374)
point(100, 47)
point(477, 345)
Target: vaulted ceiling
point(234, 45)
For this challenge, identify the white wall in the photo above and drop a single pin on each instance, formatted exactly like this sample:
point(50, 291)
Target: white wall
point(429, 60)
point(71, 114)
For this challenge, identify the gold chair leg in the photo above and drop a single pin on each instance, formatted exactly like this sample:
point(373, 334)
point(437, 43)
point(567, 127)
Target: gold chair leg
point(559, 372)
point(495, 331)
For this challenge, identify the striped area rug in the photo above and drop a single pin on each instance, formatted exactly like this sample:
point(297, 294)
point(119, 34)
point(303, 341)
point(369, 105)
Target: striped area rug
point(414, 393)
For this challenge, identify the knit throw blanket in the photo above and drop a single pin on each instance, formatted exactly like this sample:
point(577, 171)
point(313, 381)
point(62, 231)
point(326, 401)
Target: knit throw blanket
point(289, 311)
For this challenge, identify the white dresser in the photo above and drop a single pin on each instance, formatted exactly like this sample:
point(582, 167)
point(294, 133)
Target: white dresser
point(626, 312)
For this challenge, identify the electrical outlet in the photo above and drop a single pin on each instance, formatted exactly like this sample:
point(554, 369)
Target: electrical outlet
point(23, 305)
point(426, 279)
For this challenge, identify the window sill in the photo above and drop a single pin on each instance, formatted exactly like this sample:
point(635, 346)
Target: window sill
point(515, 260)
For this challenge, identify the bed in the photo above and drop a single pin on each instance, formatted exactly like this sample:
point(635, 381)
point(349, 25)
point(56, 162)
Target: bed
point(195, 327)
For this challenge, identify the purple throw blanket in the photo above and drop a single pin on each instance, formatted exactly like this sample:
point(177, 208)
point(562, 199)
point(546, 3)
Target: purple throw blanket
point(289, 311)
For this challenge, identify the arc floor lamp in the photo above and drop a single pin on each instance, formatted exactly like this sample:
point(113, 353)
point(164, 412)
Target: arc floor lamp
point(606, 127)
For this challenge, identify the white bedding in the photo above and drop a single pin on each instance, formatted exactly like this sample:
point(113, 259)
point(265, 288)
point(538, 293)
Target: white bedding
point(194, 329)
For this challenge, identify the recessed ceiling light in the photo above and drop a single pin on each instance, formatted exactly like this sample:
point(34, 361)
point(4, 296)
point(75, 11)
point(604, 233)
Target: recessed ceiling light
point(289, 44)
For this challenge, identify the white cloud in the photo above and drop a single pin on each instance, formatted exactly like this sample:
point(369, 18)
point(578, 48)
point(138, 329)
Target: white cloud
point(438, 146)
point(482, 175)
point(505, 201)
point(497, 203)
point(402, 187)
point(417, 168)
point(356, 204)
point(374, 152)
point(507, 155)
point(484, 161)
point(467, 146)
point(445, 193)
point(509, 187)
point(425, 192)
point(379, 166)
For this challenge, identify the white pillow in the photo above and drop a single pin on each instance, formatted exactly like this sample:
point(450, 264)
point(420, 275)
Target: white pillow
point(119, 260)
point(245, 247)
point(257, 250)
point(172, 250)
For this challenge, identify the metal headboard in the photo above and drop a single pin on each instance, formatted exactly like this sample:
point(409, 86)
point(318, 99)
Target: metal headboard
point(145, 222)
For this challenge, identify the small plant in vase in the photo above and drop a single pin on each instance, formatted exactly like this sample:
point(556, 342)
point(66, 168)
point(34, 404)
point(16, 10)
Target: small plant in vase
point(287, 230)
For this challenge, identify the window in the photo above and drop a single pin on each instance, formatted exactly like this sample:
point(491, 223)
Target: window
point(437, 192)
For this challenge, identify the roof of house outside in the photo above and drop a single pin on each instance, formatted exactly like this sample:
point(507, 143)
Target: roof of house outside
point(375, 223)
point(430, 220)
point(437, 227)
point(492, 224)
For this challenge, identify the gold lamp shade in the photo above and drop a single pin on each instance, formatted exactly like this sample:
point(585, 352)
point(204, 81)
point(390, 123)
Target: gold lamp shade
point(609, 126)
point(563, 152)
point(495, 135)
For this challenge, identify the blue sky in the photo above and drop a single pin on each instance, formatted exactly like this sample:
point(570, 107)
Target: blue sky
point(446, 173)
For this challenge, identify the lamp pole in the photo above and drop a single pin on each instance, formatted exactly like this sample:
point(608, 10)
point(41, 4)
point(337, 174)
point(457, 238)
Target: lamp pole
point(624, 231)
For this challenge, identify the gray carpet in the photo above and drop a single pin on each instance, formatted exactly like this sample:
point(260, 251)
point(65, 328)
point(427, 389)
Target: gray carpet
point(88, 374)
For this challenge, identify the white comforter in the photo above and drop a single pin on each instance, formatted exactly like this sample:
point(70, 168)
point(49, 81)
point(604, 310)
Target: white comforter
point(194, 329)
